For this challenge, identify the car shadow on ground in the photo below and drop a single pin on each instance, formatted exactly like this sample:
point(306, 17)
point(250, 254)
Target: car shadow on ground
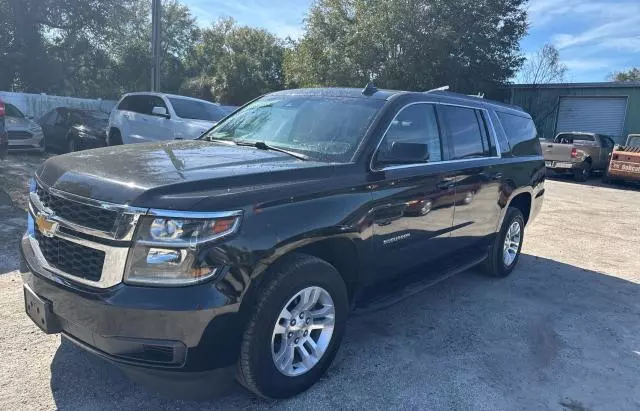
point(550, 336)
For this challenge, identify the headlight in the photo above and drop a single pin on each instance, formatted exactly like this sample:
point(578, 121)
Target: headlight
point(165, 250)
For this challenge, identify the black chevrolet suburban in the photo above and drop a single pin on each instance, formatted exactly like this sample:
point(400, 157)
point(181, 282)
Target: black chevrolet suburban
point(250, 246)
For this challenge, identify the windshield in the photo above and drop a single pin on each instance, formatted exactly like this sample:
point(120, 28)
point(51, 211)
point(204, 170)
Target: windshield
point(633, 141)
point(196, 110)
point(12, 111)
point(324, 128)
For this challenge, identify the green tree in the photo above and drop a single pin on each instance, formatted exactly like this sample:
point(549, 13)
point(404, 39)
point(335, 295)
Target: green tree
point(630, 75)
point(471, 45)
point(33, 30)
point(234, 64)
point(131, 47)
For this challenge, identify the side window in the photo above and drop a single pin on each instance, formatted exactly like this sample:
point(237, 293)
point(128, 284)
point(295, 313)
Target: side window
point(521, 133)
point(414, 124)
point(125, 104)
point(155, 101)
point(466, 132)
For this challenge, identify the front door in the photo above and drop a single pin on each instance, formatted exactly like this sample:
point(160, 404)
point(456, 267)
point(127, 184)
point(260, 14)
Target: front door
point(413, 203)
point(143, 125)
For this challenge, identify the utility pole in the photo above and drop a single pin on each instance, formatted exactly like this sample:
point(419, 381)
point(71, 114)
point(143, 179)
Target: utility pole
point(156, 12)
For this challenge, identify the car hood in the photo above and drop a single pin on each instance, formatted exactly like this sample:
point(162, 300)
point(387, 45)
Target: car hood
point(176, 175)
point(18, 123)
point(192, 129)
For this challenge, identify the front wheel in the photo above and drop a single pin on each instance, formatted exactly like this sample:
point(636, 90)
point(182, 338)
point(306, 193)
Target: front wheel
point(504, 252)
point(583, 173)
point(296, 328)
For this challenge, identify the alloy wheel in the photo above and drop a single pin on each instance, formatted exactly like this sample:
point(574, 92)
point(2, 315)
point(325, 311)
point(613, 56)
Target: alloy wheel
point(511, 243)
point(303, 331)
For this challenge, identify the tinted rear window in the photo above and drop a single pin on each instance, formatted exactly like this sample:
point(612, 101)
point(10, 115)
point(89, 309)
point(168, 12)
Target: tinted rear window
point(569, 138)
point(521, 133)
point(465, 130)
point(196, 110)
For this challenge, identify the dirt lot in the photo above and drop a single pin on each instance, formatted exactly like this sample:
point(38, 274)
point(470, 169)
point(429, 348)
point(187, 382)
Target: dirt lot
point(561, 333)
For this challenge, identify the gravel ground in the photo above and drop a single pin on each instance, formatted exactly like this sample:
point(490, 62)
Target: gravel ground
point(561, 333)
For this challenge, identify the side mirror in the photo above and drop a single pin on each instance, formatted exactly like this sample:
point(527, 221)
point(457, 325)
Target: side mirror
point(405, 153)
point(160, 112)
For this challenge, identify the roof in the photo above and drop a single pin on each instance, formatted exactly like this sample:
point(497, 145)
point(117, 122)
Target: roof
point(155, 93)
point(608, 84)
point(337, 92)
point(463, 97)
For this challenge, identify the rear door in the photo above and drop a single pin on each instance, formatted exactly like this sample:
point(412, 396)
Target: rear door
point(473, 150)
point(413, 203)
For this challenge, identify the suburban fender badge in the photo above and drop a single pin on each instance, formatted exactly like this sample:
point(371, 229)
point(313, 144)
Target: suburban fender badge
point(396, 239)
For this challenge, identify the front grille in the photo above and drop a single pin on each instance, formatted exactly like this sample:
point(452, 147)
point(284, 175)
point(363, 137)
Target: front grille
point(71, 258)
point(78, 213)
point(19, 135)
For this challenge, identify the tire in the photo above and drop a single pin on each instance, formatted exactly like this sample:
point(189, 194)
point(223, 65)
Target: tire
point(257, 369)
point(495, 264)
point(114, 138)
point(583, 173)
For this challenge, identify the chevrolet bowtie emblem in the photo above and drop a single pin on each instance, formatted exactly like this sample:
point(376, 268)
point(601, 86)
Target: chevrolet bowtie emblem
point(46, 226)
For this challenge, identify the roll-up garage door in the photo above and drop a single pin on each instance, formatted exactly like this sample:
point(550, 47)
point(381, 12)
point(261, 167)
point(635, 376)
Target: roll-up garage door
point(604, 115)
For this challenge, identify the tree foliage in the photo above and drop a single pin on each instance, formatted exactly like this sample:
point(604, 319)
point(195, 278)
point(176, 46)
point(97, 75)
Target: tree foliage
point(471, 45)
point(543, 67)
point(630, 75)
point(235, 64)
point(100, 48)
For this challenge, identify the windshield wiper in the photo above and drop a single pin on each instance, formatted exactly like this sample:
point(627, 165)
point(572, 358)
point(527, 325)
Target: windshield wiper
point(264, 146)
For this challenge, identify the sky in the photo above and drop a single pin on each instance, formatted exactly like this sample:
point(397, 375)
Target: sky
point(594, 37)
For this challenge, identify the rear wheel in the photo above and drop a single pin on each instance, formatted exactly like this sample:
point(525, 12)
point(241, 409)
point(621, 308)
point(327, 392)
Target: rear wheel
point(296, 328)
point(504, 252)
point(583, 173)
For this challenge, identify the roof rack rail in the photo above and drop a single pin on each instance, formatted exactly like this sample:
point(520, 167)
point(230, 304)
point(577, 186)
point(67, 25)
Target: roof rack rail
point(443, 88)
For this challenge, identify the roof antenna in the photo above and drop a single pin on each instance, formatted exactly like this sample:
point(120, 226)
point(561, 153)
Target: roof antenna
point(443, 88)
point(369, 89)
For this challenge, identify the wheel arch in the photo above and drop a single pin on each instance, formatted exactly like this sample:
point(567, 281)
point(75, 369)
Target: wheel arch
point(339, 251)
point(522, 198)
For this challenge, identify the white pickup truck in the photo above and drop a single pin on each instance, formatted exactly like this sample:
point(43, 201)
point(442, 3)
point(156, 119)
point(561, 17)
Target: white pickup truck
point(578, 153)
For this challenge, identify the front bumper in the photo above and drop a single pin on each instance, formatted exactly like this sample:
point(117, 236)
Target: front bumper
point(561, 166)
point(194, 328)
point(33, 143)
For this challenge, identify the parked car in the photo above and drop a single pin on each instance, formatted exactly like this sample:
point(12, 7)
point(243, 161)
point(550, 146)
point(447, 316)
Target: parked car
point(249, 246)
point(23, 133)
point(625, 161)
point(69, 130)
point(4, 138)
point(148, 117)
point(578, 153)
